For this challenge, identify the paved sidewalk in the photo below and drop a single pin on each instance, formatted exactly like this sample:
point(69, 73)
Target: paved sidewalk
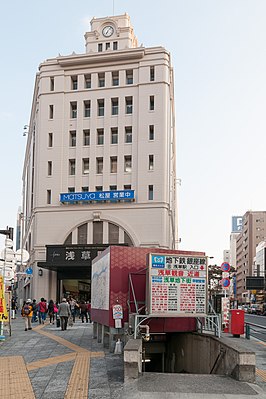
point(47, 363)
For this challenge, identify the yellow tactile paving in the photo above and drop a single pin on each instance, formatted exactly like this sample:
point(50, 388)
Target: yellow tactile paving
point(261, 374)
point(51, 360)
point(14, 379)
point(78, 383)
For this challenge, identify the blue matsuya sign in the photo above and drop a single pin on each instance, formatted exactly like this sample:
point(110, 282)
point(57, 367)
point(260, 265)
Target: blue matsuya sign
point(121, 195)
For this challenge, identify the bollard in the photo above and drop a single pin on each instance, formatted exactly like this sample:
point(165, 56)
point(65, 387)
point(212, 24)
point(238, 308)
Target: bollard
point(247, 331)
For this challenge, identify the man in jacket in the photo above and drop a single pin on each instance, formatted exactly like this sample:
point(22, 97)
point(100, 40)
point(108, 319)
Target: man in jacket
point(64, 313)
point(26, 313)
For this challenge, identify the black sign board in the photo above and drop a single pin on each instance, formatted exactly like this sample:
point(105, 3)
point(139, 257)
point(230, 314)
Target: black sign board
point(255, 283)
point(72, 255)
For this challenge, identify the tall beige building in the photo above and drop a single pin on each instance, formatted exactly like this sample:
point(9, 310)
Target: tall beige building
point(253, 232)
point(100, 157)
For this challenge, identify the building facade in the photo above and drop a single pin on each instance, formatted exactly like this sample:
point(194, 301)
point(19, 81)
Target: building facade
point(253, 232)
point(100, 158)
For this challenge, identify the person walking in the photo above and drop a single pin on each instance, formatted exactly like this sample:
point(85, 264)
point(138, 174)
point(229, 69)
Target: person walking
point(51, 311)
point(34, 311)
point(42, 308)
point(13, 308)
point(89, 309)
point(26, 313)
point(64, 313)
point(73, 307)
point(83, 311)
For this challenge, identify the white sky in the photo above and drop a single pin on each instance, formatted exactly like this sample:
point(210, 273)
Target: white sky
point(219, 57)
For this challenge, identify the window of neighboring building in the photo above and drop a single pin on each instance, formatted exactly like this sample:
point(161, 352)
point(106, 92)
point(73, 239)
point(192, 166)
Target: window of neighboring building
point(87, 81)
point(85, 189)
point(99, 188)
point(51, 112)
point(50, 167)
point(151, 132)
point(73, 110)
point(113, 164)
point(113, 188)
point(128, 134)
point(129, 77)
point(100, 47)
point(72, 167)
point(50, 139)
point(99, 166)
point(52, 84)
point(129, 105)
point(87, 109)
point(115, 45)
point(100, 107)
point(150, 193)
point(72, 138)
point(97, 232)
point(151, 162)
point(114, 135)
point(100, 136)
point(127, 163)
point(113, 234)
point(48, 196)
point(151, 103)
point(115, 78)
point(114, 102)
point(152, 73)
point(85, 166)
point(83, 233)
point(74, 83)
point(107, 45)
point(71, 189)
point(86, 137)
point(101, 79)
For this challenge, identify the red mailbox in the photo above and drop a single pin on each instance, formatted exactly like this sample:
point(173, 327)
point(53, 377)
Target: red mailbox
point(236, 322)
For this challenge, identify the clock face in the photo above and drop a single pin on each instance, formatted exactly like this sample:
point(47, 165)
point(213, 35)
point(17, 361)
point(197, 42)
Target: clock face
point(108, 31)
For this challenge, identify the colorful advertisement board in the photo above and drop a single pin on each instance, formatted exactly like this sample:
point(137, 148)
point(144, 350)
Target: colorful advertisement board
point(3, 309)
point(177, 285)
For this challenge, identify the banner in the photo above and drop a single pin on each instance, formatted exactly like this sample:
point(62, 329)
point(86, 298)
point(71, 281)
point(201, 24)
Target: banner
point(3, 310)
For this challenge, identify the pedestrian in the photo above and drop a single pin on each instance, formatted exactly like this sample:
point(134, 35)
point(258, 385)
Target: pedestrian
point(83, 311)
point(13, 308)
point(73, 307)
point(64, 313)
point(89, 310)
point(26, 313)
point(51, 311)
point(42, 309)
point(34, 311)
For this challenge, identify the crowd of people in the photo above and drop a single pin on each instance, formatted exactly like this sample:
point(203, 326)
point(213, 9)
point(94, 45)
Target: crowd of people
point(63, 314)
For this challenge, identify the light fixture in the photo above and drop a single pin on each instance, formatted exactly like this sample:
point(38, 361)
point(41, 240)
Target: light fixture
point(40, 272)
point(26, 130)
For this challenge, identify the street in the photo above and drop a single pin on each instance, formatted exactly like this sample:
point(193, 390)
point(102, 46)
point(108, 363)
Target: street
point(257, 332)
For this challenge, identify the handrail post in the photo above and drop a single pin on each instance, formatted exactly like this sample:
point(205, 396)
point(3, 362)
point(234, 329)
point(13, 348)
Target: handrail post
point(247, 331)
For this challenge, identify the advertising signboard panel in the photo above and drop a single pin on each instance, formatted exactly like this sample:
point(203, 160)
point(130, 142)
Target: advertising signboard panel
point(237, 222)
point(177, 285)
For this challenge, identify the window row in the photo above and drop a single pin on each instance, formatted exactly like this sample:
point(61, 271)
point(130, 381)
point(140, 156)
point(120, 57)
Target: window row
point(128, 79)
point(128, 107)
point(150, 191)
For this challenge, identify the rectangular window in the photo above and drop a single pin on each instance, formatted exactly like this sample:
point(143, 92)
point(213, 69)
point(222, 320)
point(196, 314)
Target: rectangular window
point(114, 102)
point(150, 193)
point(73, 110)
point(71, 189)
point(113, 233)
point(83, 233)
point(51, 112)
point(85, 166)
point(129, 77)
point(107, 46)
point(151, 103)
point(49, 196)
point(99, 188)
point(129, 105)
point(113, 188)
point(115, 78)
point(152, 73)
point(113, 164)
point(151, 132)
point(74, 83)
point(72, 138)
point(51, 84)
point(99, 166)
point(101, 79)
point(72, 167)
point(100, 107)
point(127, 163)
point(86, 137)
point(127, 186)
point(50, 139)
point(151, 162)
point(87, 109)
point(85, 189)
point(50, 167)
point(97, 232)
point(100, 136)
point(87, 81)
point(115, 45)
point(114, 135)
point(128, 134)
point(100, 47)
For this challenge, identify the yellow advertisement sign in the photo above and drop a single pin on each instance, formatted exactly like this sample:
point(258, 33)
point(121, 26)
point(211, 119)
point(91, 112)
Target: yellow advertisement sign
point(3, 310)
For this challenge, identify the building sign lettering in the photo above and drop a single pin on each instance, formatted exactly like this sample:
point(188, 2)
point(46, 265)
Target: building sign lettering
point(121, 195)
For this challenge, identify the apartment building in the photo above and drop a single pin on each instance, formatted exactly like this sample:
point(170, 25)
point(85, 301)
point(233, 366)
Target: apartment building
point(100, 158)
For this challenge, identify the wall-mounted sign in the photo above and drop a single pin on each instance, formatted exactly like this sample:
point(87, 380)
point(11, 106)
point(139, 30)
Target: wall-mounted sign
point(114, 196)
point(237, 222)
point(177, 285)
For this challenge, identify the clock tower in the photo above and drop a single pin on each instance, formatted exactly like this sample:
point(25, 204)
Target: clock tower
point(110, 33)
